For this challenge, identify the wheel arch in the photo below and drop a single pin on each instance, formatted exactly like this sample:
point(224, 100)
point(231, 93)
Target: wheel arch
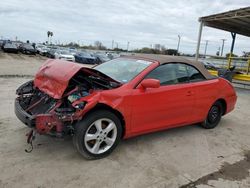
point(224, 105)
point(102, 106)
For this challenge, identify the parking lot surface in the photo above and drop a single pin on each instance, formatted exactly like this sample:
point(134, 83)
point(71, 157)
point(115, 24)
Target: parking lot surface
point(183, 157)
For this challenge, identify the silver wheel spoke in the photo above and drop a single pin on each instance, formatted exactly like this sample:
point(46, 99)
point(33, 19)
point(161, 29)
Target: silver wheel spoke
point(110, 127)
point(96, 147)
point(89, 137)
point(109, 141)
point(98, 125)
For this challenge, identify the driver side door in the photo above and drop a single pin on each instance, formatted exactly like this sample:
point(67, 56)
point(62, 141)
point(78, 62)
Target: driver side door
point(170, 105)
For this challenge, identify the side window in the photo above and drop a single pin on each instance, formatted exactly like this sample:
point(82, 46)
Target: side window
point(194, 74)
point(171, 73)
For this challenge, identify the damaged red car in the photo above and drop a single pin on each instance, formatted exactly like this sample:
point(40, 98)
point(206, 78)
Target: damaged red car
point(121, 98)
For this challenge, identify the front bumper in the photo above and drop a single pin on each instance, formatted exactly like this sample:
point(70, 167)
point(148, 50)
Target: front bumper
point(23, 116)
point(43, 123)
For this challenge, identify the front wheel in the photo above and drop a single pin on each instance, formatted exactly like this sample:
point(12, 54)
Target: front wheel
point(98, 134)
point(213, 117)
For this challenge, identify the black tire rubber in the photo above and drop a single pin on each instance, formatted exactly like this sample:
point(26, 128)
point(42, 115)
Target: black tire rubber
point(208, 124)
point(82, 127)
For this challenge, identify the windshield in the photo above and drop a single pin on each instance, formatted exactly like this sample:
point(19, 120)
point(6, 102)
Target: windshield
point(28, 46)
point(123, 69)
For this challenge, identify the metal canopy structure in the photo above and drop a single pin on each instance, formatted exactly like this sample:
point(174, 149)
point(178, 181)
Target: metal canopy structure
point(234, 21)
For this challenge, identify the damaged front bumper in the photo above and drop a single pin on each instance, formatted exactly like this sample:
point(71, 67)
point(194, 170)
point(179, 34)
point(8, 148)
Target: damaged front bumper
point(23, 116)
point(42, 123)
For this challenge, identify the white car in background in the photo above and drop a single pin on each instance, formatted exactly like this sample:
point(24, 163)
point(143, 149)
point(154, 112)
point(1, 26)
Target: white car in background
point(43, 50)
point(65, 55)
point(39, 47)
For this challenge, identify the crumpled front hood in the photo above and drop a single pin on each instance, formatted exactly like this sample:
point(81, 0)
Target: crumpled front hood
point(54, 75)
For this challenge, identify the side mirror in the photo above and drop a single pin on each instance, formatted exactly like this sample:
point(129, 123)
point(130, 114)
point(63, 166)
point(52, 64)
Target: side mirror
point(149, 83)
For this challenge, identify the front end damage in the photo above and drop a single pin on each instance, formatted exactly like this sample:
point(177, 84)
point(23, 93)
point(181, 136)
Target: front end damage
point(54, 101)
point(45, 114)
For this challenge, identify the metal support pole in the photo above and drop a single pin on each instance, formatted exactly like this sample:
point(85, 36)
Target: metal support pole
point(233, 41)
point(178, 45)
point(199, 42)
point(205, 53)
point(232, 49)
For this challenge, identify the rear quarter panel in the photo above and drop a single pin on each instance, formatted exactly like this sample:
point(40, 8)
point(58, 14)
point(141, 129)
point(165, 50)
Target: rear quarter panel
point(207, 92)
point(227, 92)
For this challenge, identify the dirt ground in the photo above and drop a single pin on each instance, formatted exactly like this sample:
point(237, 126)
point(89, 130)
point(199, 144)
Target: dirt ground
point(183, 157)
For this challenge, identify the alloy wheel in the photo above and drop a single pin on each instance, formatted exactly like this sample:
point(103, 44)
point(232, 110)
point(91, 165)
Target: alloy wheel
point(100, 136)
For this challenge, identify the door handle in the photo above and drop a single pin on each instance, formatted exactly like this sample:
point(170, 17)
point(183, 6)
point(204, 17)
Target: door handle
point(189, 93)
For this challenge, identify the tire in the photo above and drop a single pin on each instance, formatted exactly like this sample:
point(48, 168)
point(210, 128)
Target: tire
point(213, 117)
point(92, 139)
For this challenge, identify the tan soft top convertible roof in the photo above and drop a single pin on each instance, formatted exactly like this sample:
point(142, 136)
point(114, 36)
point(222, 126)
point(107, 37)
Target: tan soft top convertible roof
point(162, 59)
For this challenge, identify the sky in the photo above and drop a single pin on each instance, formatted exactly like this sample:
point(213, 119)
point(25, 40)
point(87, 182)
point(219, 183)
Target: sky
point(142, 23)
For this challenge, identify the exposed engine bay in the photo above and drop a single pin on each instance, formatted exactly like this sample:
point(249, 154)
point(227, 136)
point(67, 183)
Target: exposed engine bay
point(57, 116)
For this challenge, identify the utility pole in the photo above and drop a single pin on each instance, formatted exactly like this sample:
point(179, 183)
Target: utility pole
point(223, 40)
point(218, 52)
point(205, 53)
point(178, 45)
point(112, 44)
point(127, 46)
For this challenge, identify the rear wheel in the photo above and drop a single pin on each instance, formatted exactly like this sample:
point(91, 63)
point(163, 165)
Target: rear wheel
point(214, 116)
point(98, 134)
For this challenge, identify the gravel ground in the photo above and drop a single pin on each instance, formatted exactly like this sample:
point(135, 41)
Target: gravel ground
point(182, 157)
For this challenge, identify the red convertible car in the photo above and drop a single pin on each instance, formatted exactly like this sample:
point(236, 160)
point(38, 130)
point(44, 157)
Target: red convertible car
point(121, 98)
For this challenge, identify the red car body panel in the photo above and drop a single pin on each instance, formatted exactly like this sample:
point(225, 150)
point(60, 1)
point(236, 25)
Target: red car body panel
point(146, 110)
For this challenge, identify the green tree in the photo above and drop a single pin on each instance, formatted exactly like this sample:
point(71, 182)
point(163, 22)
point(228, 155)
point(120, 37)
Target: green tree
point(245, 54)
point(170, 52)
point(233, 55)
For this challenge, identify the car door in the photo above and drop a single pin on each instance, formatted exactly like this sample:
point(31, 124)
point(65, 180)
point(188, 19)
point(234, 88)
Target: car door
point(169, 105)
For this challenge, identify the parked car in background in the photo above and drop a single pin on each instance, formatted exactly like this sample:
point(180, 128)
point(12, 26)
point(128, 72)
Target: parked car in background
point(2, 43)
point(43, 50)
point(17, 43)
point(210, 66)
point(10, 48)
point(27, 48)
point(101, 58)
point(73, 51)
point(65, 55)
point(85, 58)
point(39, 47)
point(112, 55)
point(51, 53)
point(121, 98)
